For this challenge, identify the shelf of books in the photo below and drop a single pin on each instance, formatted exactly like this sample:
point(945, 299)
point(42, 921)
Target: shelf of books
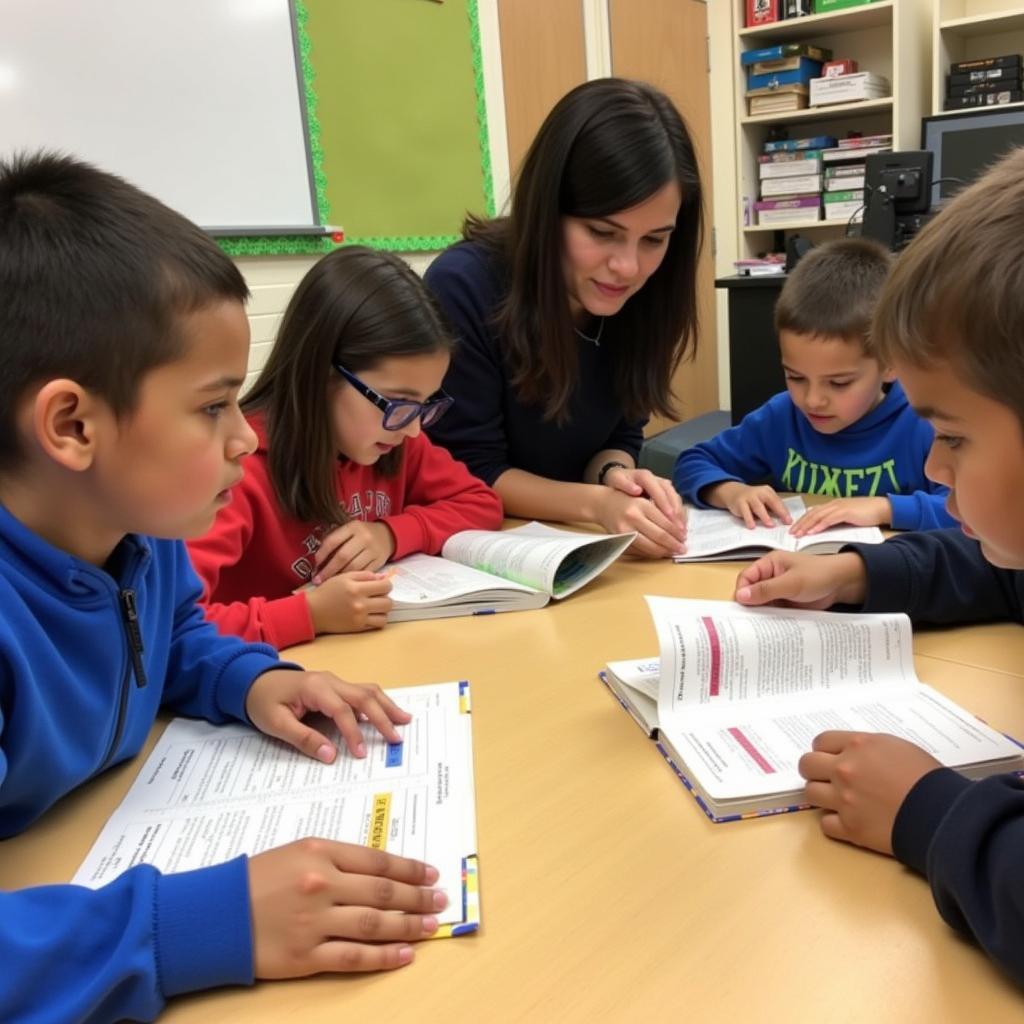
point(817, 90)
point(977, 48)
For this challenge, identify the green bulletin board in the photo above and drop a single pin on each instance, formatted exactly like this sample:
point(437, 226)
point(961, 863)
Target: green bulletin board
point(399, 94)
point(397, 123)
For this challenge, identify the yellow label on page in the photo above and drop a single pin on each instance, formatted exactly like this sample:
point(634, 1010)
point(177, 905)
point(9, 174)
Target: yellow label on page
point(378, 839)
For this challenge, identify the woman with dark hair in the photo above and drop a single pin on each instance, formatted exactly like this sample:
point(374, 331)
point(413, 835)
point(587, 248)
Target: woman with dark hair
point(574, 311)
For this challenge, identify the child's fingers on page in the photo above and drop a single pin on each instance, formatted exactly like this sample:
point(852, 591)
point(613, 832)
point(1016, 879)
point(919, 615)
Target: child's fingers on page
point(391, 709)
point(743, 511)
point(361, 860)
point(380, 892)
point(806, 523)
point(778, 508)
point(762, 511)
point(368, 924)
point(285, 726)
point(371, 587)
point(341, 714)
point(338, 957)
point(380, 719)
point(834, 741)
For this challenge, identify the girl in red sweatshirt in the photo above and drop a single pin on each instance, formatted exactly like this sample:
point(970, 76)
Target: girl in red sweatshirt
point(343, 479)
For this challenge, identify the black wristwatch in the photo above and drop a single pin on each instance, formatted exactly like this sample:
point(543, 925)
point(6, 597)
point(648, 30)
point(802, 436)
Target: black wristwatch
point(607, 468)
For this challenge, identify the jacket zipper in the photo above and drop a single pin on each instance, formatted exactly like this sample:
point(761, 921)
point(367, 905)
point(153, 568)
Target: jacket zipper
point(130, 616)
point(131, 621)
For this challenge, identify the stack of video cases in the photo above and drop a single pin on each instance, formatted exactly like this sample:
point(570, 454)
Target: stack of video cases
point(984, 82)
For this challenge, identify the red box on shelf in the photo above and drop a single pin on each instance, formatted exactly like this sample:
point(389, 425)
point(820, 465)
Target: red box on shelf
point(837, 68)
point(763, 12)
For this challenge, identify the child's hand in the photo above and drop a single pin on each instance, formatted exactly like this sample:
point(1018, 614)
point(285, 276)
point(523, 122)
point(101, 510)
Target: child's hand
point(659, 535)
point(748, 503)
point(279, 699)
point(858, 511)
point(350, 602)
point(805, 581)
point(356, 545)
point(861, 780)
point(319, 906)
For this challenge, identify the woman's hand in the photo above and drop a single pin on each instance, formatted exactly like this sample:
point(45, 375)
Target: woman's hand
point(636, 499)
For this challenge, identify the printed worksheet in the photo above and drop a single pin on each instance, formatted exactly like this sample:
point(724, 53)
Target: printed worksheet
point(208, 793)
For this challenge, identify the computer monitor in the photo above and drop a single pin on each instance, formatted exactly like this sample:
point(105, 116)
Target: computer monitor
point(964, 145)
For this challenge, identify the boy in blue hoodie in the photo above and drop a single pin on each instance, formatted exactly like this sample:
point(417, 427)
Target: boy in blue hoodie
point(951, 320)
point(125, 343)
point(835, 431)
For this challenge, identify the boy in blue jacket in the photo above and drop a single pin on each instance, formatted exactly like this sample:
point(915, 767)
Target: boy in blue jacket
point(836, 430)
point(125, 343)
point(951, 321)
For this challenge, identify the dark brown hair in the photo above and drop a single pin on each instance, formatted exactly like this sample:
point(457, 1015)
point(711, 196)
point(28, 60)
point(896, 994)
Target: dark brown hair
point(355, 306)
point(606, 146)
point(94, 277)
point(957, 293)
point(833, 291)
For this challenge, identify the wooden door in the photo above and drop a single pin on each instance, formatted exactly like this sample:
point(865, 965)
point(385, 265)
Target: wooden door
point(664, 42)
point(543, 56)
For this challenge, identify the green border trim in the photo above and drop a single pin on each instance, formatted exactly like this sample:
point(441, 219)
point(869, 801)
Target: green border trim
point(406, 243)
point(295, 245)
point(481, 106)
point(431, 243)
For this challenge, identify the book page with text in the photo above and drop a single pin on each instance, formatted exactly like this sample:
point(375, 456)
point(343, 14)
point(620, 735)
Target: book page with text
point(747, 750)
point(208, 793)
point(718, 652)
point(426, 579)
point(558, 562)
point(713, 532)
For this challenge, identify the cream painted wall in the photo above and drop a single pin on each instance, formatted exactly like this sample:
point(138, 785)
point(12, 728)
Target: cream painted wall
point(273, 279)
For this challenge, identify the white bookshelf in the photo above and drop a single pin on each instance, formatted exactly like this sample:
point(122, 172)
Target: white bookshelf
point(969, 29)
point(891, 38)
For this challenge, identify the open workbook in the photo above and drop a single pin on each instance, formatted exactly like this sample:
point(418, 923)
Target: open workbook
point(208, 793)
point(715, 535)
point(738, 694)
point(484, 571)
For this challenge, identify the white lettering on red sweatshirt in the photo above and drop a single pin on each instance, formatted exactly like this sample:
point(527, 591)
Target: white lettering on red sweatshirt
point(256, 554)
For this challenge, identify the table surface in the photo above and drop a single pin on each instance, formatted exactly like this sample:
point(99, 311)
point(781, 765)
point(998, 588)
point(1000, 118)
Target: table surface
point(606, 894)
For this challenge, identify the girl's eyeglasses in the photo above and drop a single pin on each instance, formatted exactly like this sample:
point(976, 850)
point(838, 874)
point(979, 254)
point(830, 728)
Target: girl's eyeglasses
point(400, 412)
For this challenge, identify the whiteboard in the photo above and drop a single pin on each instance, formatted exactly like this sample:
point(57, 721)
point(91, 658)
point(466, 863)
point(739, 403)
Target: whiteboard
point(197, 101)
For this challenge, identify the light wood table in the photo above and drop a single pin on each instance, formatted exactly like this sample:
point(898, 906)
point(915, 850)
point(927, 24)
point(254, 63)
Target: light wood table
point(606, 894)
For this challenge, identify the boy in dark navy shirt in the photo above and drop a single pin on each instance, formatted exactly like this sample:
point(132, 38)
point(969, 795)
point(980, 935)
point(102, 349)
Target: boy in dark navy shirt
point(951, 322)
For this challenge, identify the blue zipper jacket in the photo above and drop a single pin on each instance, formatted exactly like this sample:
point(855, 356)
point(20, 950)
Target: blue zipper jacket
point(883, 453)
point(966, 838)
point(86, 660)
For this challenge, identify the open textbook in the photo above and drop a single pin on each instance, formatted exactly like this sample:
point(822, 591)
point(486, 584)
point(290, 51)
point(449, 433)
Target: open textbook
point(715, 535)
point(738, 694)
point(485, 571)
point(208, 793)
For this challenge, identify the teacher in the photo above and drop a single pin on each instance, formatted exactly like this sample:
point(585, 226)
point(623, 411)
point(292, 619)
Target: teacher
point(574, 311)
